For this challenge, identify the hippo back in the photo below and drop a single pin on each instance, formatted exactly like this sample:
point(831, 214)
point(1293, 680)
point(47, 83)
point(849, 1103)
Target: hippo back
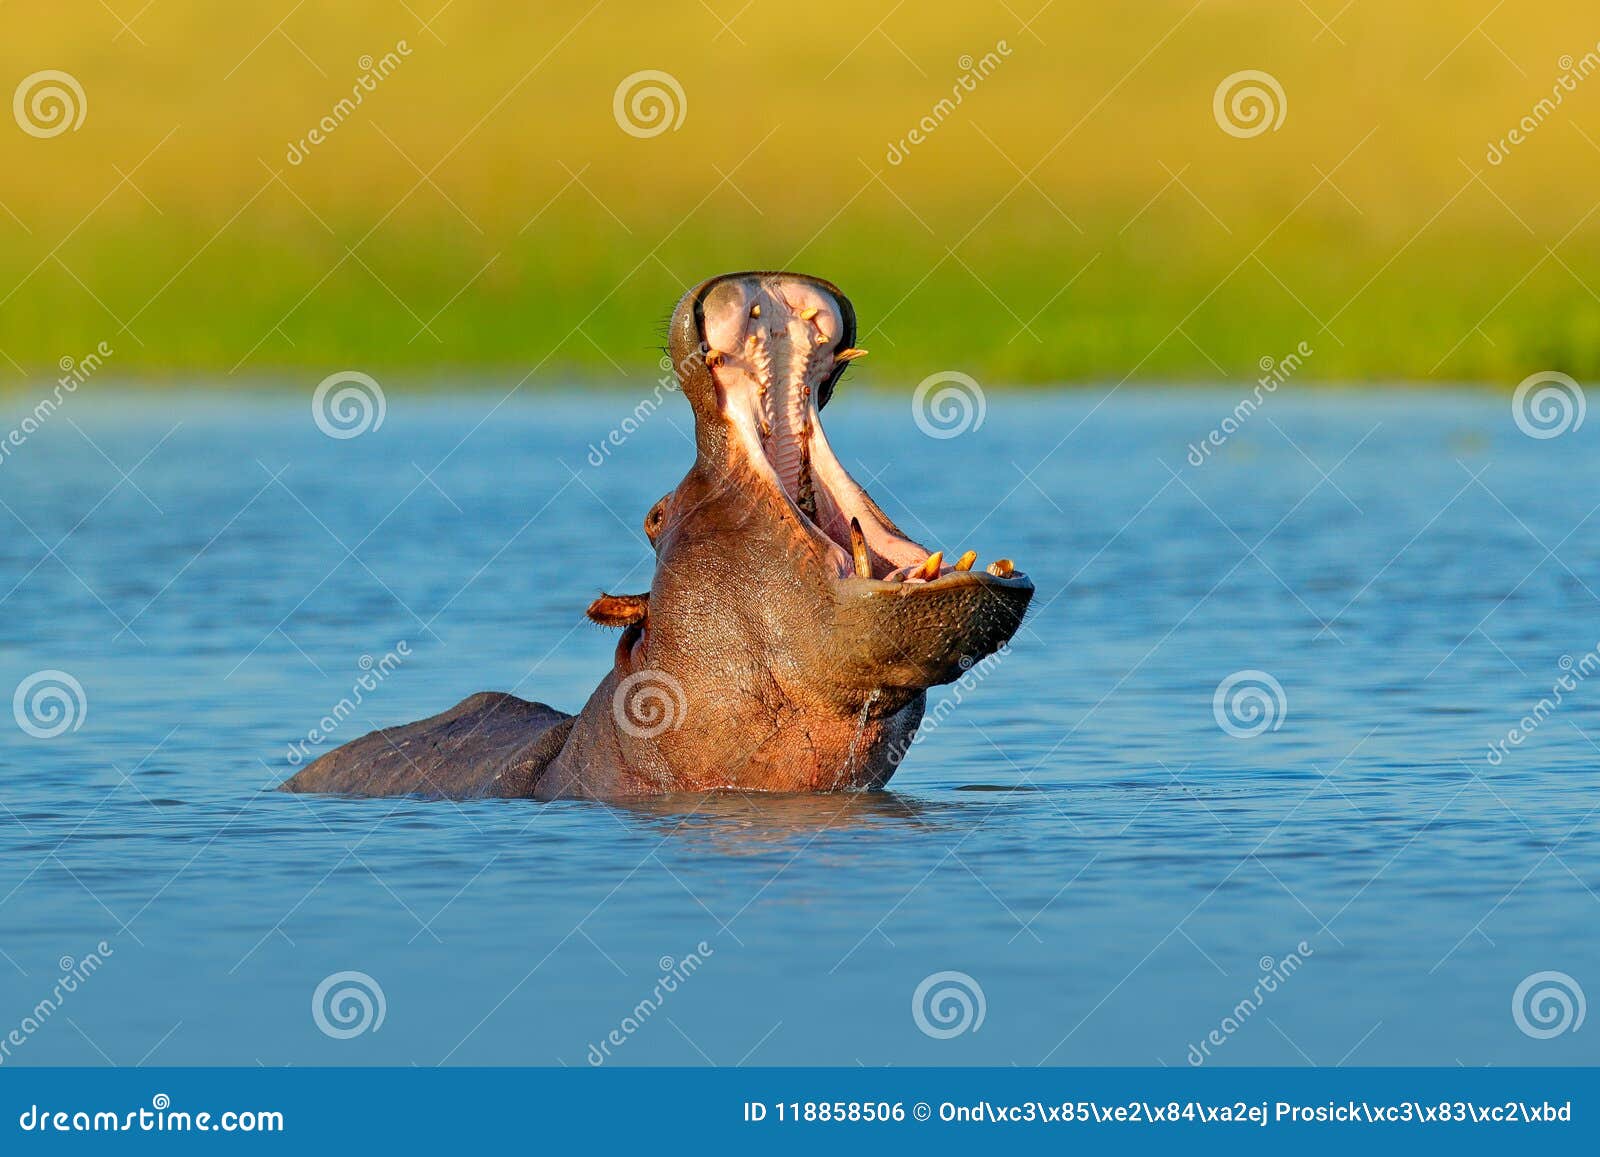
point(489, 744)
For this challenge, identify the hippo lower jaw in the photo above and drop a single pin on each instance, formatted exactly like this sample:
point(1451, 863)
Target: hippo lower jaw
point(791, 630)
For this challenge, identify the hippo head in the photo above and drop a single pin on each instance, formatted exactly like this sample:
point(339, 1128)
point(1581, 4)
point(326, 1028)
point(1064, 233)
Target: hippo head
point(791, 629)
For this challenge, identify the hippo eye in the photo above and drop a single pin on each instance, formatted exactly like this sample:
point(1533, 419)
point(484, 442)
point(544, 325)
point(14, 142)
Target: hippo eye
point(656, 519)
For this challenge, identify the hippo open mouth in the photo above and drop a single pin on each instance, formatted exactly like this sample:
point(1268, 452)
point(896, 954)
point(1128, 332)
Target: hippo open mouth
point(775, 345)
point(791, 630)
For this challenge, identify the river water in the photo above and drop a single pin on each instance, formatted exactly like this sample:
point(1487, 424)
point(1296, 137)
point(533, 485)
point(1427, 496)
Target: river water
point(1387, 582)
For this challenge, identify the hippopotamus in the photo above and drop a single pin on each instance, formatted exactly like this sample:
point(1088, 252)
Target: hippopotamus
point(791, 630)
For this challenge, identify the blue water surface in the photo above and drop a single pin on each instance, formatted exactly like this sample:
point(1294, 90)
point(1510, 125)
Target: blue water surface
point(1409, 571)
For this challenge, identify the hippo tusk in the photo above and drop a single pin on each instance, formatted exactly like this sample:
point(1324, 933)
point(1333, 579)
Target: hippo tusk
point(858, 547)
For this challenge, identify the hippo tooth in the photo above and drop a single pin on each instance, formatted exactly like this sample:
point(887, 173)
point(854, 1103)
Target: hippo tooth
point(808, 313)
point(965, 561)
point(858, 547)
point(715, 358)
point(929, 570)
point(755, 311)
point(849, 355)
point(1001, 568)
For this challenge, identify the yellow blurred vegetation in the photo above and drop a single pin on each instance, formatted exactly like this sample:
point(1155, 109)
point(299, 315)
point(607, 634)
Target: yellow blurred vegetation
point(1079, 216)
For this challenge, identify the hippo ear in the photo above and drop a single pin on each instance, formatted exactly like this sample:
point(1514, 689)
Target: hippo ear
point(619, 610)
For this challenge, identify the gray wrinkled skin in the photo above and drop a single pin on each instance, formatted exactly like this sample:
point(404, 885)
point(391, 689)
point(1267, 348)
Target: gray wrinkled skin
point(772, 653)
